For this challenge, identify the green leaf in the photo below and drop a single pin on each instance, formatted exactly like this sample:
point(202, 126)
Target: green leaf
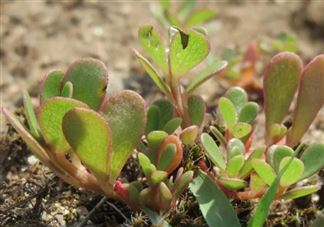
point(187, 51)
point(285, 42)
point(189, 135)
point(153, 117)
point(233, 183)
point(234, 147)
point(167, 156)
point(154, 75)
point(166, 111)
point(89, 135)
point(263, 207)
point(212, 150)
point(152, 44)
point(89, 78)
point(228, 112)
point(201, 16)
point(248, 166)
point(277, 132)
point(186, 8)
point(280, 82)
point(165, 193)
point(172, 125)
point(256, 183)
point(264, 170)
point(300, 192)
point(241, 130)
point(182, 183)
point(248, 112)
point(310, 99)
point(293, 173)
point(280, 152)
point(313, 159)
point(158, 176)
point(67, 90)
point(155, 138)
point(196, 110)
point(51, 86)
point(145, 164)
point(204, 75)
point(234, 165)
point(31, 116)
point(34, 146)
point(238, 97)
point(125, 113)
point(51, 118)
point(213, 203)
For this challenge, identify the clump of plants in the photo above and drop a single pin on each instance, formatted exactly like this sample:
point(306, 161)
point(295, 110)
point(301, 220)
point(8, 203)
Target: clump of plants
point(86, 136)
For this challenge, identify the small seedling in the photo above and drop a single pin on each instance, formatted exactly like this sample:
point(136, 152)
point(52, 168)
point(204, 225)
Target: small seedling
point(81, 134)
point(183, 16)
point(186, 50)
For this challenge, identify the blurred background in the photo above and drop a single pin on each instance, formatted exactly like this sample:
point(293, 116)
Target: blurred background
point(40, 35)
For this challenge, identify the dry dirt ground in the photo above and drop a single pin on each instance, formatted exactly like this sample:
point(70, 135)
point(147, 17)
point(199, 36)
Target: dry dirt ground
point(37, 36)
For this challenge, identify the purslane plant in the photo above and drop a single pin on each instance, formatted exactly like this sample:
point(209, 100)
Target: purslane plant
point(273, 170)
point(185, 50)
point(79, 132)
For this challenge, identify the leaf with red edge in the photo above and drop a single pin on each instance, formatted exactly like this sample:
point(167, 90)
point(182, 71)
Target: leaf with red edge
point(280, 83)
point(310, 99)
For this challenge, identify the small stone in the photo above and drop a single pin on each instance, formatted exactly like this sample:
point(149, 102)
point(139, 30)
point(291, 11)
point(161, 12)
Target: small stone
point(32, 160)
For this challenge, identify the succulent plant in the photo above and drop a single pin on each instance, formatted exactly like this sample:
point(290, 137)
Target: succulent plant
point(79, 132)
point(186, 50)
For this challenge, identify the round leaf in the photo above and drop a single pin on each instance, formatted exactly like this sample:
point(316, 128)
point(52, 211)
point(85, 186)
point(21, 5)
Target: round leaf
point(264, 170)
point(293, 173)
point(313, 159)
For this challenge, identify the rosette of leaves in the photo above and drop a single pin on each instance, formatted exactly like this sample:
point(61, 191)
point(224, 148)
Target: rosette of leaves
point(185, 15)
point(184, 51)
point(81, 134)
point(159, 192)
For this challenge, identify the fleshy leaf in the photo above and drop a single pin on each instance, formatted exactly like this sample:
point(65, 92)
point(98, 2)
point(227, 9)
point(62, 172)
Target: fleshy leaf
point(228, 112)
point(293, 172)
point(51, 86)
point(67, 90)
point(167, 156)
point(238, 97)
point(300, 192)
point(279, 153)
point(182, 183)
point(234, 165)
point(172, 125)
point(241, 130)
point(31, 116)
point(154, 75)
point(310, 99)
point(189, 135)
point(34, 146)
point(51, 118)
point(212, 150)
point(247, 167)
point(234, 147)
point(158, 176)
point(187, 51)
point(155, 138)
point(145, 164)
point(233, 183)
point(89, 135)
point(153, 117)
point(153, 45)
point(248, 112)
point(196, 109)
point(89, 78)
point(264, 170)
point(256, 183)
point(207, 73)
point(313, 159)
point(166, 111)
point(213, 203)
point(281, 80)
point(277, 132)
point(165, 194)
point(201, 16)
point(125, 113)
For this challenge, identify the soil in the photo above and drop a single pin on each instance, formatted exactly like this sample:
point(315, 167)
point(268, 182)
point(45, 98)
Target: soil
point(37, 36)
